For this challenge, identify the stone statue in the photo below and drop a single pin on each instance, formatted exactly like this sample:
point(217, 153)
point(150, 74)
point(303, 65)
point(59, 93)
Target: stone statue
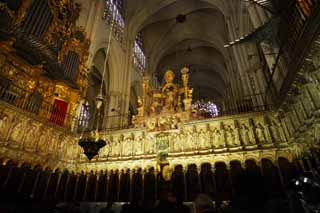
point(149, 145)
point(18, 132)
point(4, 126)
point(138, 146)
point(202, 140)
point(116, 147)
point(43, 140)
point(260, 134)
point(31, 136)
point(275, 133)
point(247, 135)
point(219, 139)
point(230, 136)
point(178, 145)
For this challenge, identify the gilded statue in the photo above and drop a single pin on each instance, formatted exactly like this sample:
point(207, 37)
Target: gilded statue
point(164, 106)
point(140, 107)
point(169, 91)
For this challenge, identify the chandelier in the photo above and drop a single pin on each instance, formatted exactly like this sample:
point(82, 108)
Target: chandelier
point(92, 143)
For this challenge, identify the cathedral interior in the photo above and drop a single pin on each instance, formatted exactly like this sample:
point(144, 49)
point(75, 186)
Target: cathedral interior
point(149, 106)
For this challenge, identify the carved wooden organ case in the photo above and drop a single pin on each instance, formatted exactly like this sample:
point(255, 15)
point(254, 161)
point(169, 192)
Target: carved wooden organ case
point(42, 48)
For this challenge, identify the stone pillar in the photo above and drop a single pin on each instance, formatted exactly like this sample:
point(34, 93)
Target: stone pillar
point(90, 17)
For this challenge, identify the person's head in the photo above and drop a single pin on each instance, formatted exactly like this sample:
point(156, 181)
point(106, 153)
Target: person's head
point(203, 203)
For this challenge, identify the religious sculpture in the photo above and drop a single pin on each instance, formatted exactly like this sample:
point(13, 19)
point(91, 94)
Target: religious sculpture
point(219, 139)
point(4, 126)
point(202, 139)
point(229, 136)
point(164, 105)
point(17, 132)
point(260, 134)
point(31, 136)
point(43, 140)
point(247, 135)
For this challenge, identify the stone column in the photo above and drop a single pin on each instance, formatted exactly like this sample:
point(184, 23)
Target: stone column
point(90, 17)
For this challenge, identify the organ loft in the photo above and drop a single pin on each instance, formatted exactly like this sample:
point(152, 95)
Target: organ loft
point(113, 104)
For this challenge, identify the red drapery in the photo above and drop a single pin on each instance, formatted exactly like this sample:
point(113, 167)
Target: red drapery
point(59, 112)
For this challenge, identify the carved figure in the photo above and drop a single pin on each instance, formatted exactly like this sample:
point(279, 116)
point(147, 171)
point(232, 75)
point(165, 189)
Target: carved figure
point(31, 138)
point(17, 132)
point(4, 126)
point(247, 135)
point(140, 107)
point(43, 140)
point(229, 136)
point(219, 139)
point(202, 140)
point(260, 134)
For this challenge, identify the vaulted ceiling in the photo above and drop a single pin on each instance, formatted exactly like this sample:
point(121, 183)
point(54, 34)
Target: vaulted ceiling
point(186, 32)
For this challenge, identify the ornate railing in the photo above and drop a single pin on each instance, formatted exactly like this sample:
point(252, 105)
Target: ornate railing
point(33, 103)
point(299, 24)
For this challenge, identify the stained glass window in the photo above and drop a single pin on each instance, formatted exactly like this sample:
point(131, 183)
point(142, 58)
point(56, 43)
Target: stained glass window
point(139, 58)
point(114, 10)
point(206, 108)
point(84, 115)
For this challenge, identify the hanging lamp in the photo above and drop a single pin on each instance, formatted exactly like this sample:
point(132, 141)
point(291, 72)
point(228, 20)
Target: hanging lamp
point(92, 143)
